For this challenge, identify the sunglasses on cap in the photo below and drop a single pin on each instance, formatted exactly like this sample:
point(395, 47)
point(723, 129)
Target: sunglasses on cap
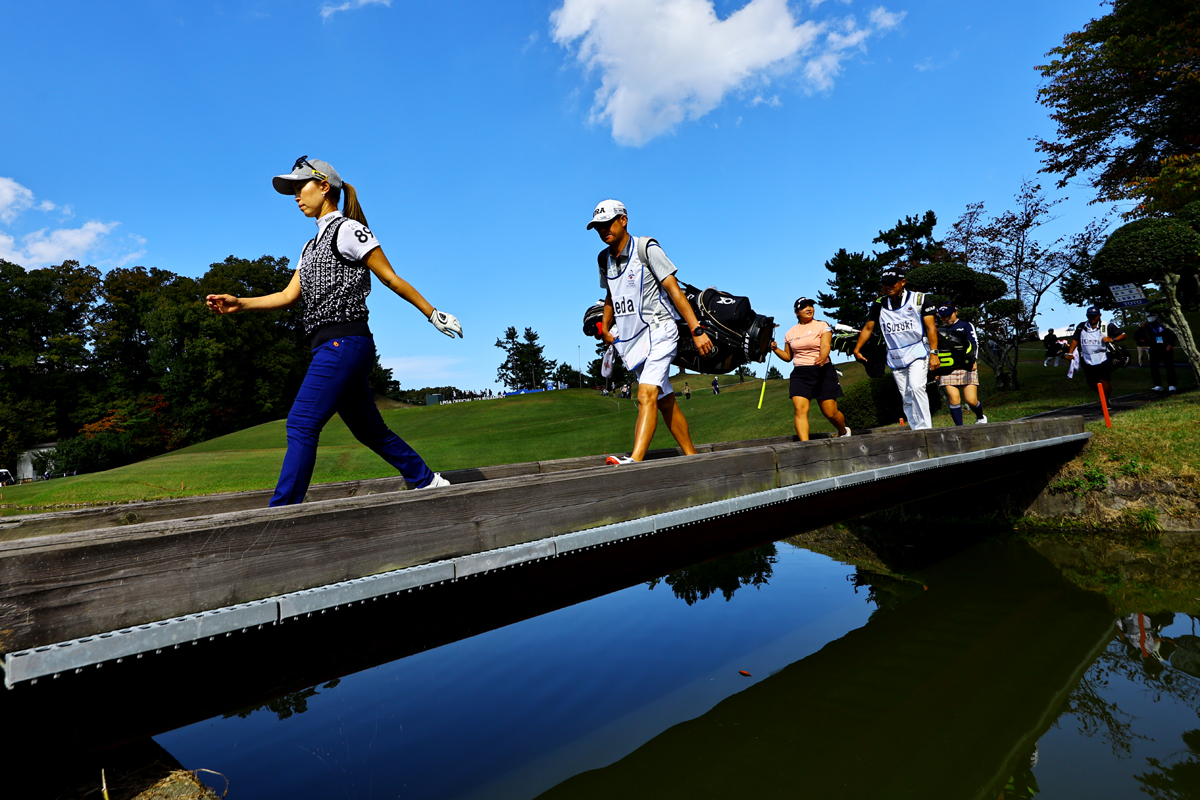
point(302, 161)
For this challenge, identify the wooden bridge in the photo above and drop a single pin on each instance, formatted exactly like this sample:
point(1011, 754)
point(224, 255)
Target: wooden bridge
point(82, 589)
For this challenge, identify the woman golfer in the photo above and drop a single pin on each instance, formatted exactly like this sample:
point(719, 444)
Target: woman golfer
point(807, 345)
point(334, 281)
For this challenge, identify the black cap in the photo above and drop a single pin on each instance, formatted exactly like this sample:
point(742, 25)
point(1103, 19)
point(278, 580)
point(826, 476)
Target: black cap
point(891, 275)
point(802, 302)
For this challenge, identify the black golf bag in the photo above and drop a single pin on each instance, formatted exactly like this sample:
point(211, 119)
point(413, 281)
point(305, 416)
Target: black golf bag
point(737, 333)
point(956, 352)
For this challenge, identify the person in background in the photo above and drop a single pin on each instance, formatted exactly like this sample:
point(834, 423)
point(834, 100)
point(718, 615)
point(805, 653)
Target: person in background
point(716, 385)
point(333, 280)
point(687, 391)
point(1141, 338)
point(1161, 342)
point(968, 380)
point(1054, 348)
point(806, 345)
point(910, 332)
point(1090, 338)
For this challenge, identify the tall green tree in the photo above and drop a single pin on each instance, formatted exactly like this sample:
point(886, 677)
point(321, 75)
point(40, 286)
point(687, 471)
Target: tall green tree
point(1125, 94)
point(1009, 247)
point(910, 242)
point(855, 283)
point(221, 374)
point(524, 366)
point(1162, 251)
point(45, 355)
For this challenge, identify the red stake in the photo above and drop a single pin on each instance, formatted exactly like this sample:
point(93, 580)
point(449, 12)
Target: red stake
point(1104, 404)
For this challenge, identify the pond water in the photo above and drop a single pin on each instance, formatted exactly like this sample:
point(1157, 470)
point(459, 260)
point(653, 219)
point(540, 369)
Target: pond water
point(773, 672)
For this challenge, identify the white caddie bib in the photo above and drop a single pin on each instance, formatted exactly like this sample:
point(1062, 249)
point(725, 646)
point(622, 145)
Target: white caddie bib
point(633, 331)
point(1091, 344)
point(903, 331)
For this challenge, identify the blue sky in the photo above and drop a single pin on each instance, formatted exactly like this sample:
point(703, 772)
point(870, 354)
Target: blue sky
point(751, 139)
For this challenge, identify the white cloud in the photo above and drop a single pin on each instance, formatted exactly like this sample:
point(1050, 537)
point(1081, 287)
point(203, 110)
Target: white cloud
point(530, 41)
point(42, 248)
point(328, 10)
point(664, 61)
point(45, 247)
point(14, 198)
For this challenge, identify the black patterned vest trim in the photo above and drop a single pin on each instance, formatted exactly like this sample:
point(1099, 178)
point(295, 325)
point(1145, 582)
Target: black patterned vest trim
point(334, 289)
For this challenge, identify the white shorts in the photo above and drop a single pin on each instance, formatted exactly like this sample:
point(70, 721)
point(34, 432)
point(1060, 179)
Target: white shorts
point(656, 369)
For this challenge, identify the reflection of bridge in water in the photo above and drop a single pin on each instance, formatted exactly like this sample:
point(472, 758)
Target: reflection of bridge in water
point(943, 695)
point(528, 545)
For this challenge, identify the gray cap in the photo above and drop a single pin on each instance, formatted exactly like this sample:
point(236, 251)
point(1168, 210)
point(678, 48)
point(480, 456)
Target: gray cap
point(307, 170)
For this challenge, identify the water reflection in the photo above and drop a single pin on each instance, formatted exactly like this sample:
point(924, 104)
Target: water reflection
point(980, 674)
point(941, 694)
point(725, 575)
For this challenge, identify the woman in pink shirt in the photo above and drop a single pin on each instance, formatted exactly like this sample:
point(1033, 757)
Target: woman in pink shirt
point(806, 345)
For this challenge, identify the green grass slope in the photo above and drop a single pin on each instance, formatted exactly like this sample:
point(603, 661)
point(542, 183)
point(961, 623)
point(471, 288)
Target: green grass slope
point(526, 428)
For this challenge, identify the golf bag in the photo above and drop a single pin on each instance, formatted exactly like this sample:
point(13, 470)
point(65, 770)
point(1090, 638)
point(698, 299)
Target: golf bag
point(738, 334)
point(1118, 356)
point(957, 352)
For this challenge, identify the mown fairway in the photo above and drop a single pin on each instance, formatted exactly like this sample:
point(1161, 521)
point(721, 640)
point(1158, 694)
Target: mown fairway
point(526, 428)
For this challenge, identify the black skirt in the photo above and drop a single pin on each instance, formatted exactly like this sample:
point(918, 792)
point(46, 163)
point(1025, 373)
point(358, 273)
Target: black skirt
point(815, 383)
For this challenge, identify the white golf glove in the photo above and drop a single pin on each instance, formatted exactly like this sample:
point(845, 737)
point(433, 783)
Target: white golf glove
point(446, 323)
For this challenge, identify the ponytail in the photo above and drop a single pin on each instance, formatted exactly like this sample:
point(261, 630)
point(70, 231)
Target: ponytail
point(351, 208)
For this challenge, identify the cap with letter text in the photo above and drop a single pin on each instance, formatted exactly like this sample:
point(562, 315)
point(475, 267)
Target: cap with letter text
point(607, 210)
point(946, 309)
point(1093, 311)
point(891, 275)
point(305, 170)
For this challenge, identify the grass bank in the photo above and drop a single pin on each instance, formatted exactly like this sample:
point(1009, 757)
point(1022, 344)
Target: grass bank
point(552, 425)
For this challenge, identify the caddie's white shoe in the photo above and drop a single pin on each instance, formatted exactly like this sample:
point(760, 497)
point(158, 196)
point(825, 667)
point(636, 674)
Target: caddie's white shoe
point(847, 433)
point(1172, 389)
point(981, 420)
point(619, 460)
point(1156, 389)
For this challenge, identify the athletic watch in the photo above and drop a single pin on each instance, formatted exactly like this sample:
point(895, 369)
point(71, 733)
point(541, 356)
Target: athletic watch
point(698, 332)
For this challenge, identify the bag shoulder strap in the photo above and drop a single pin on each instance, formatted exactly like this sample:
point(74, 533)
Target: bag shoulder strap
point(643, 248)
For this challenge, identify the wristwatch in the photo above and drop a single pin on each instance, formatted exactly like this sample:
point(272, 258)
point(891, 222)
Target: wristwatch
point(698, 332)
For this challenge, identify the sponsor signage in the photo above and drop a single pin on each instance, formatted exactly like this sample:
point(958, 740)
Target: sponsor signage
point(1128, 294)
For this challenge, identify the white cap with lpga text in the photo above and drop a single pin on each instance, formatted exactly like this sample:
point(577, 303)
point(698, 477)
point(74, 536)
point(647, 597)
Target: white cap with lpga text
point(607, 210)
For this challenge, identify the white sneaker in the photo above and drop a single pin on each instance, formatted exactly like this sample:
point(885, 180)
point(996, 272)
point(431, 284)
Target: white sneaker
point(847, 433)
point(619, 460)
point(1156, 389)
point(437, 482)
point(1172, 389)
point(981, 420)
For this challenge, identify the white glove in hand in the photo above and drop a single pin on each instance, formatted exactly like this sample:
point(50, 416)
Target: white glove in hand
point(446, 323)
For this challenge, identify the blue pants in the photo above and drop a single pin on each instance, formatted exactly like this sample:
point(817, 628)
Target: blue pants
point(337, 382)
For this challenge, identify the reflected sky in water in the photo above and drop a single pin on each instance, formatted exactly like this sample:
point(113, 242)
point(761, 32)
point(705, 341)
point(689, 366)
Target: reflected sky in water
point(602, 692)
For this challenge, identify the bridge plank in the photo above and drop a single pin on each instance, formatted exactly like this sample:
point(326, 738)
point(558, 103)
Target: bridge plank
point(54, 588)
